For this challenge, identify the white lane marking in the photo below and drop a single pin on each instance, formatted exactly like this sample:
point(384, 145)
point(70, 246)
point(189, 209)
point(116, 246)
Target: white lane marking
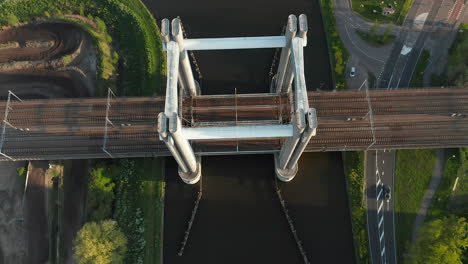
point(378, 183)
point(380, 207)
point(390, 82)
point(378, 196)
point(383, 252)
point(380, 223)
point(381, 236)
point(364, 82)
point(383, 173)
point(455, 185)
point(383, 161)
point(376, 172)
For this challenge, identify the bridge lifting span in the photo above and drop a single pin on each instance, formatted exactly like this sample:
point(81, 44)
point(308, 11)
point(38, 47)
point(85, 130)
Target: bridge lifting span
point(187, 125)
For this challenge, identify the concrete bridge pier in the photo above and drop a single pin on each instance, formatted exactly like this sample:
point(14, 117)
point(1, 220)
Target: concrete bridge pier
point(284, 74)
point(186, 75)
point(166, 36)
point(305, 127)
point(170, 125)
point(170, 131)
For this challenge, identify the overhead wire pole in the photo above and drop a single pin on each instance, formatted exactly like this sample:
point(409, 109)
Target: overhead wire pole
point(5, 122)
point(107, 122)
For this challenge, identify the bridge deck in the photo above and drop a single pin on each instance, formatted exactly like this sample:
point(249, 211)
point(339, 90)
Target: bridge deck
point(351, 120)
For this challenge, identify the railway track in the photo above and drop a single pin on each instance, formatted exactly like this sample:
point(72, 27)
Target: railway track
point(74, 128)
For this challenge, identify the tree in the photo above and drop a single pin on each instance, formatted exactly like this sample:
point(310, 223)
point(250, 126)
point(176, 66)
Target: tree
point(100, 243)
point(440, 241)
point(101, 195)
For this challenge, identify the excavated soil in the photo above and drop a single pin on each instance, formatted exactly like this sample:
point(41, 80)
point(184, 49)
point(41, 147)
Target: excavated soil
point(31, 67)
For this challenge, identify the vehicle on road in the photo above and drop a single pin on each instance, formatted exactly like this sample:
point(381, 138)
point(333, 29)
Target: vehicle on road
point(387, 192)
point(352, 73)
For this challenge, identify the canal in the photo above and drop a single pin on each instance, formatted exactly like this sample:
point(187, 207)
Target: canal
point(240, 219)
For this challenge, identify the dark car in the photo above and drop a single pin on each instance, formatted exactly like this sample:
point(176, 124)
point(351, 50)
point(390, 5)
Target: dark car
point(387, 191)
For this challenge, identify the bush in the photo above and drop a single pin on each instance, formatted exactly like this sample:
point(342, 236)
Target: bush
point(100, 243)
point(8, 19)
point(335, 46)
point(441, 241)
point(100, 195)
point(356, 190)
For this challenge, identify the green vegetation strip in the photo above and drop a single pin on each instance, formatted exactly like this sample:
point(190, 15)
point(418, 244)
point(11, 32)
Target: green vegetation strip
point(134, 30)
point(414, 169)
point(335, 46)
point(131, 191)
point(455, 73)
point(374, 39)
point(355, 179)
point(418, 76)
point(366, 9)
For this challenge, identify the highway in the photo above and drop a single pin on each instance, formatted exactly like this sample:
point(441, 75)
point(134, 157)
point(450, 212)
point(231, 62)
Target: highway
point(351, 120)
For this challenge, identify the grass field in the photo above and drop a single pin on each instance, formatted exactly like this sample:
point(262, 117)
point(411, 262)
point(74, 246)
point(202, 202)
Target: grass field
point(414, 170)
point(440, 203)
point(366, 7)
point(152, 203)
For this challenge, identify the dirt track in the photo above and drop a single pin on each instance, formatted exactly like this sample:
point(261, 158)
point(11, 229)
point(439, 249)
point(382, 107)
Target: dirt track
point(31, 66)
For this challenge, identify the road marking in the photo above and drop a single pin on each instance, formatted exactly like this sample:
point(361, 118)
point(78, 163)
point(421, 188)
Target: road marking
point(362, 84)
point(376, 172)
point(383, 161)
point(390, 82)
point(378, 196)
point(380, 223)
point(381, 236)
point(455, 185)
point(380, 207)
point(383, 173)
point(383, 252)
point(378, 183)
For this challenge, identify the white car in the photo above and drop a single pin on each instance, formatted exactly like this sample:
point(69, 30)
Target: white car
point(352, 73)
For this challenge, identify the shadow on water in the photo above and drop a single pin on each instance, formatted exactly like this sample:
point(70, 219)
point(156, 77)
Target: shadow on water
point(246, 70)
point(240, 217)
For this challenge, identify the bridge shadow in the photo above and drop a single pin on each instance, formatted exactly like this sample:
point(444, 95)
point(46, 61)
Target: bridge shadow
point(240, 218)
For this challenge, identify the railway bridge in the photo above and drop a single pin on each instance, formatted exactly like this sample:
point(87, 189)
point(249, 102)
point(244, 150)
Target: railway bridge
point(187, 125)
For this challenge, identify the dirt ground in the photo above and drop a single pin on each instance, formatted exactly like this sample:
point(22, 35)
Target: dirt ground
point(74, 191)
point(12, 238)
point(36, 220)
point(30, 59)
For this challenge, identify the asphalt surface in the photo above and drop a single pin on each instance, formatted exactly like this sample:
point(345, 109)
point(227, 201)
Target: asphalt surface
point(379, 170)
point(417, 28)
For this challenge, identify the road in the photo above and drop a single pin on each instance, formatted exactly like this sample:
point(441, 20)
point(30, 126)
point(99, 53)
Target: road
point(417, 28)
point(380, 168)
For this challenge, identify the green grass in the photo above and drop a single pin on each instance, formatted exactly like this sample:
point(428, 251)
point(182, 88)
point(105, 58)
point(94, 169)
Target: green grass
point(338, 53)
point(152, 203)
point(418, 76)
point(440, 202)
point(365, 8)
point(355, 181)
point(459, 200)
point(376, 40)
point(414, 169)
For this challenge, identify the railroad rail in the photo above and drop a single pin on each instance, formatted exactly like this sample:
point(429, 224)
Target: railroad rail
point(74, 128)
